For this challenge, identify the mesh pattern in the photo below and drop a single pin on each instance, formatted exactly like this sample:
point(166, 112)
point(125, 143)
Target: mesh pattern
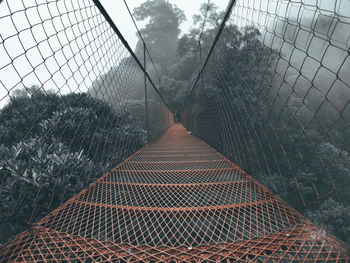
point(275, 100)
point(176, 199)
point(122, 218)
point(72, 105)
point(262, 249)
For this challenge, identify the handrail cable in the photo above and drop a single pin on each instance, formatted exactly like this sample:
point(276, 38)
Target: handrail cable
point(142, 39)
point(126, 44)
point(221, 28)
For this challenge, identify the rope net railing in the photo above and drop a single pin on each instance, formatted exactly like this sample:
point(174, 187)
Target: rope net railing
point(74, 102)
point(274, 97)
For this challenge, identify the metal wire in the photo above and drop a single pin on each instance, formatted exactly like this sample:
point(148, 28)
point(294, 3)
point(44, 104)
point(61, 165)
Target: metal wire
point(276, 102)
point(72, 105)
point(143, 41)
point(176, 199)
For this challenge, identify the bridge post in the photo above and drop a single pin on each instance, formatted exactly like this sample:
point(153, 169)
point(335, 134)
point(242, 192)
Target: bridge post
point(202, 92)
point(145, 84)
point(190, 115)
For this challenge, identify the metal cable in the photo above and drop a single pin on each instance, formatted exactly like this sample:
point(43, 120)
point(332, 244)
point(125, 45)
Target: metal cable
point(276, 102)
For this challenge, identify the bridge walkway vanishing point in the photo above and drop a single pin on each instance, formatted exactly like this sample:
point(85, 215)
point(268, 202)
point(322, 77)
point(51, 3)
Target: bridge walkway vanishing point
point(176, 199)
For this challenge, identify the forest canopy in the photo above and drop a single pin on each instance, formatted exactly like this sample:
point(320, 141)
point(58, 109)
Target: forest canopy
point(301, 153)
point(61, 143)
point(73, 140)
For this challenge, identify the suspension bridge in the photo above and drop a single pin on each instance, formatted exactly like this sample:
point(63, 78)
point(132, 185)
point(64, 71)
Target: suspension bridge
point(192, 193)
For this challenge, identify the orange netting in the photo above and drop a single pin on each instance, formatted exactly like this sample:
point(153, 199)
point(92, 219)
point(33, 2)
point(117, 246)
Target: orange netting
point(272, 95)
point(176, 199)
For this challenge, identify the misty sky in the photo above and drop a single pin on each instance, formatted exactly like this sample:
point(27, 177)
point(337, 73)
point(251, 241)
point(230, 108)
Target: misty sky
point(28, 57)
point(20, 52)
point(120, 15)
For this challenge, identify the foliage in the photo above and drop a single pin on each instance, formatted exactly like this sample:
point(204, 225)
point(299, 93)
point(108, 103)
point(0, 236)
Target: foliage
point(37, 177)
point(161, 31)
point(129, 79)
point(277, 140)
point(52, 147)
point(330, 215)
point(24, 113)
point(186, 64)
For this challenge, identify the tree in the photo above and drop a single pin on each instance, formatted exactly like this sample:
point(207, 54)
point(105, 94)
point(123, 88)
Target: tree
point(161, 31)
point(186, 64)
point(52, 146)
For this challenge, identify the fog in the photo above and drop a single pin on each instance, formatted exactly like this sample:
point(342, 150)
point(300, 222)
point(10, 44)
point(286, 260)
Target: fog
point(311, 43)
point(51, 44)
point(62, 53)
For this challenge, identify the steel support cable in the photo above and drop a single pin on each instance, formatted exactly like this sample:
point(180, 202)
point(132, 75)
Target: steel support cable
point(201, 54)
point(143, 41)
point(83, 116)
point(274, 116)
point(221, 28)
point(126, 44)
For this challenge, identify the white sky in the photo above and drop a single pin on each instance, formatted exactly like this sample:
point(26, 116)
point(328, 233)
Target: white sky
point(23, 62)
point(120, 15)
point(49, 54)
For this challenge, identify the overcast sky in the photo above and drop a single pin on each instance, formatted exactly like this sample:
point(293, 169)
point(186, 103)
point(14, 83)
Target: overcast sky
point(20, 53)
point(28, 56)
point(120, 15)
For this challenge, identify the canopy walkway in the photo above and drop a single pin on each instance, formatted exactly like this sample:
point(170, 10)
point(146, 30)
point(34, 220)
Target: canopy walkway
point(256, 168)
point(176, 200)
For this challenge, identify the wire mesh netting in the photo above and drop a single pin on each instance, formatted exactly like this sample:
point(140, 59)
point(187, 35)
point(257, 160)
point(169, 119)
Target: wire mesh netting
point(72, 105)
point(86, 103)
point(159, 206)
point(274, 97)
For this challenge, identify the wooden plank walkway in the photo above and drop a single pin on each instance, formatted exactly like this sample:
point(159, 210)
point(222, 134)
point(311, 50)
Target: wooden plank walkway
point(177, 200)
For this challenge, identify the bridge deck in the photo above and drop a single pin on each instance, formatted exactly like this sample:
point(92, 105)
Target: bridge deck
point(176, 199)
